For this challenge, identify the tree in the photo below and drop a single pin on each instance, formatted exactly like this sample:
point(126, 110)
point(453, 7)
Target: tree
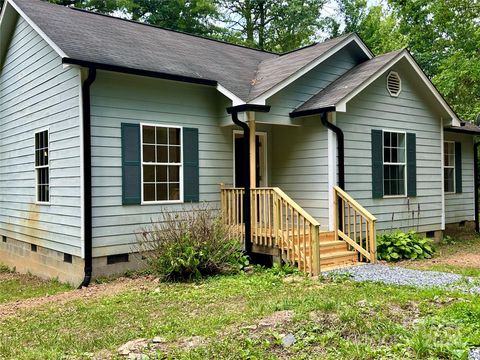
point(444, 37)
point(376, 26)
point(270, 24)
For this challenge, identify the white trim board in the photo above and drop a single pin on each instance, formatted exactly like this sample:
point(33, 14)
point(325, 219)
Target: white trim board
point(341, 106)
point(262, 98)
point(44, 36)
point(235, 99)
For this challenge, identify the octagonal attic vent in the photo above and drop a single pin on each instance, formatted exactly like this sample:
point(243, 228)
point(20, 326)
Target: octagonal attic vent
point(394, 84)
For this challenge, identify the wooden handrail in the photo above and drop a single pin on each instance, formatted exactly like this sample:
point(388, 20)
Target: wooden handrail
point(277, 222)
point(355, 225)
point(302, 212)
point(354, 203)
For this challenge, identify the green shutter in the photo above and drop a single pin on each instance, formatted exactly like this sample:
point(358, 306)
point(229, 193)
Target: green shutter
point(411, 164)
point(190, 165)
point(377, 164)
point(458, 167)
point(131, 164)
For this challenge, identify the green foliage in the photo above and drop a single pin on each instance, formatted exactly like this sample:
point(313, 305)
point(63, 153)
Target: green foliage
point(444, 37)
point(190, 244)
point(376, 25)
point(270, 24)
point(403, 246)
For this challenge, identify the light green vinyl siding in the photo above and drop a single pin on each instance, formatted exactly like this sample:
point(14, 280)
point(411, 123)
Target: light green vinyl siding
point(120, 98)
point(296, 93)
point(374, 108)
point(460, 207)
point(37, 93)
point(300, 165)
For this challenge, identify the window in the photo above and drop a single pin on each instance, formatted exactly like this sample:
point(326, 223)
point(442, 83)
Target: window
point(161, 163)
point(449, 166)
point(42, 167)
point(394, 158)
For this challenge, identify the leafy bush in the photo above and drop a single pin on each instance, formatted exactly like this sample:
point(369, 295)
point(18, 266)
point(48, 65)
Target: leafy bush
point(190, 244)
point(398, 246)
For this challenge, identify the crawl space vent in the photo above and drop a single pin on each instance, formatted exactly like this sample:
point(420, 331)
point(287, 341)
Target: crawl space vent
point(394, 84)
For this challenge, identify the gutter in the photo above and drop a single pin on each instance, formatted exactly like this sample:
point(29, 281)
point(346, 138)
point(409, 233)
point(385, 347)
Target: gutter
point(340, 146)
point(247, 216)
point(87, 177)
point(133, 71)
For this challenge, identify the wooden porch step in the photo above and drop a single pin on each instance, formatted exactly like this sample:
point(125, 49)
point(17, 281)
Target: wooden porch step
point(337, 258)
point(328, 247)
point(327, 236)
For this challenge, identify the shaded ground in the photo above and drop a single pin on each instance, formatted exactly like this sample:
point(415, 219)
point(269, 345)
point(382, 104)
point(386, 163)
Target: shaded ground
point(56, 294)
point(263, 314)
point(460, 254)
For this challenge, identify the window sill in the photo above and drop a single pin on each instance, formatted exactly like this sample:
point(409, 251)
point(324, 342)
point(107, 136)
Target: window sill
point(394, 196)
point(42, 203)
point(450, 192)
point(161, 202)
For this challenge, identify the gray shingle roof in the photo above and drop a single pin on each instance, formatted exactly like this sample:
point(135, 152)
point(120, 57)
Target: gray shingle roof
point(95, 38)
point(273, 70)
point(346, 84)
point(465, 127)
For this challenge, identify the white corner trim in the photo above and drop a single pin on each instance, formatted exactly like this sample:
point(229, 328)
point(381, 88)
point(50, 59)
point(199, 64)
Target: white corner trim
point(262, 98)
point(82, 167)
point(342, 104)
point(442, 139)
point(37, 29)
point(332, 170)
point(235, 99)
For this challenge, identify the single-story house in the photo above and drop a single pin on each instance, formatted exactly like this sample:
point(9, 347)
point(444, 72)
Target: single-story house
point(104, 122)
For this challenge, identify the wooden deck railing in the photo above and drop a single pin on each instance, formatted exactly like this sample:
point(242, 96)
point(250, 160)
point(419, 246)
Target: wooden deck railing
point(277, 221)
point(355, 225)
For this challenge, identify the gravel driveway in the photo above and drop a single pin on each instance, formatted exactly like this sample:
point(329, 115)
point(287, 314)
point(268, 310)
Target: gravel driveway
point(395, 275)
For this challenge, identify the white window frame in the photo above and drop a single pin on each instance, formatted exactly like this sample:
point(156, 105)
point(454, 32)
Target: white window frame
point(181, 185)
point(449, 166)
point(42, 166)
point(404, 163)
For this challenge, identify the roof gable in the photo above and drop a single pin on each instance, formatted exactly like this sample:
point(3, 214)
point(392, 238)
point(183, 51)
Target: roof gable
point(340, 92)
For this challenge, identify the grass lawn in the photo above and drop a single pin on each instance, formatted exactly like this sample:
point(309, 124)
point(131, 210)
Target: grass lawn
point(16, 287)
point(246, 316)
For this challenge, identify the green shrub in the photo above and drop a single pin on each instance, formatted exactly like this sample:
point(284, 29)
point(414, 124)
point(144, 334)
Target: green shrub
point(190, 244)
point(399, 246)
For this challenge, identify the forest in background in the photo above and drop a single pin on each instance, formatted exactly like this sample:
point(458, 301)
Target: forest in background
point(442, 35)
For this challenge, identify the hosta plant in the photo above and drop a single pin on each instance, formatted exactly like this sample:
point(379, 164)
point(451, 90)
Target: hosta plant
point(398, 245)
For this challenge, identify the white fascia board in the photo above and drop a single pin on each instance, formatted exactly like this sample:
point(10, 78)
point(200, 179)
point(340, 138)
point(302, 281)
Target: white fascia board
point(341, 106)
point(37, 29)
point(261, 99)
point(235, 99)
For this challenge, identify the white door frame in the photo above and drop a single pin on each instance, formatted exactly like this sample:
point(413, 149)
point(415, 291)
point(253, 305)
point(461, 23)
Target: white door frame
point(263, 157)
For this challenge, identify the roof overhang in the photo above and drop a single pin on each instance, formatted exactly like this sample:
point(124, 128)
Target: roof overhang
point(248, 107)
point(341, 105)
point(140, 72)
point(296, 114)
point(352, 39)
point(6, 14)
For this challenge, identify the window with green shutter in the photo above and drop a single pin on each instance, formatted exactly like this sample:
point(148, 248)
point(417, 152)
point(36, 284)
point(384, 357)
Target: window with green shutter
point(160, 164)
point(393, 164)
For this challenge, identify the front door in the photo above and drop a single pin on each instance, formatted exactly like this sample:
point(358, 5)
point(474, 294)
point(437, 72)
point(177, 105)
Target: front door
point(260, 156)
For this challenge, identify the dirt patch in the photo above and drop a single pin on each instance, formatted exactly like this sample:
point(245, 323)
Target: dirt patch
point(92, 292)
point(406, 314)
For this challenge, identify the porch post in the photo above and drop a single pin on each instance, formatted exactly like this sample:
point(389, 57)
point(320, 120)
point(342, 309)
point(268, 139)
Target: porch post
point(234, 110)
point(253, 149)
